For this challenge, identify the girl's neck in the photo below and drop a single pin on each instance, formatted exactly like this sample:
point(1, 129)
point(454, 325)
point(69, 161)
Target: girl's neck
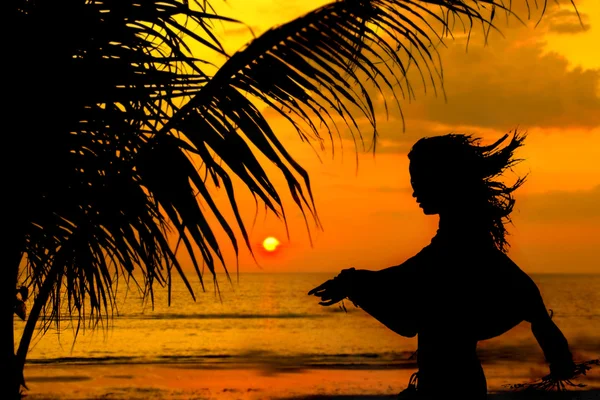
point(460, 220)
point(463, 225)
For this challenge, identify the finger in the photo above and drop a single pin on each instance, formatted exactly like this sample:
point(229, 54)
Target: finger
point(330, 292)
point(331, 299)
point(320, 287)
point(329, 303)
point(327, 296)
point(323, 292)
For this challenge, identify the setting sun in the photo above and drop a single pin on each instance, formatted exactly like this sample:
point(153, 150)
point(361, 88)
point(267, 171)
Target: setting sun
point(270, 243)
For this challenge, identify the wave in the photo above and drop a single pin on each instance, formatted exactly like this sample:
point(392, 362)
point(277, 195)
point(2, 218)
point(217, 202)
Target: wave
point(523, 353)
point(260, 357)
point(180, 316)
point(325, 314)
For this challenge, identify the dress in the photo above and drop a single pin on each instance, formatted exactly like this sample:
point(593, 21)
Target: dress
point(459, 280)
point(456, 291)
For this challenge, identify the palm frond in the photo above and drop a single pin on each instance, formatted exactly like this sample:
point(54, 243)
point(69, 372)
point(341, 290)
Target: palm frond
point(325, 59)
point(121, 67)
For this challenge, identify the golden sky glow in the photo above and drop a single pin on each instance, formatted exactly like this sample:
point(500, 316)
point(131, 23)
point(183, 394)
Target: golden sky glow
point(543, 79)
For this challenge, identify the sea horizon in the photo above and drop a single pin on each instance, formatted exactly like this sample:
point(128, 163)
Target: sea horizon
point(270, 319)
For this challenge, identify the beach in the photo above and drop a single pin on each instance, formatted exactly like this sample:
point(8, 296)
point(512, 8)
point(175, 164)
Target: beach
point(187, 382)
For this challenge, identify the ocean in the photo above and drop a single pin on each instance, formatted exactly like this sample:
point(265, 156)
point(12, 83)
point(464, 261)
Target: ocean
point(268, 320)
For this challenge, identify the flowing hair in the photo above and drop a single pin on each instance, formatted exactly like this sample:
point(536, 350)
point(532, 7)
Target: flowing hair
point(476, 169)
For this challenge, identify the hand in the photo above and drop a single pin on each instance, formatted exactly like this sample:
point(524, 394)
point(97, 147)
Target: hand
point(563, 370)
point(333, 290)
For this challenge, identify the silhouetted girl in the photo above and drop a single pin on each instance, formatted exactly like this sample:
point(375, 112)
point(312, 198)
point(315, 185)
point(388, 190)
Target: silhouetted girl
point(461, 288)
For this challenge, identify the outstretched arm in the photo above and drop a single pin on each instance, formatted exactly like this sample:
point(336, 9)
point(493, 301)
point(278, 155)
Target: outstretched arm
point(557, 353)
point(360, 285)
point(554, 345)
point(550, 338)
point(387, 295)
point(526, 301)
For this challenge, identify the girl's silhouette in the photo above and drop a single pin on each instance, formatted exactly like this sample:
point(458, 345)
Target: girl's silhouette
point(462, 287)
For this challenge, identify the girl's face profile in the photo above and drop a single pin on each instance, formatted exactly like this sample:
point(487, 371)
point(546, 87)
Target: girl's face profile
point(432, 187)
point(426, 187)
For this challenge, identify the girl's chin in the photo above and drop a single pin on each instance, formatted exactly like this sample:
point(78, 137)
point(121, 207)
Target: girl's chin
point(428, 210)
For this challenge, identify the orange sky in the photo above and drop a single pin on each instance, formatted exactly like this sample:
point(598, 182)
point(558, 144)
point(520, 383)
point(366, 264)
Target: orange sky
point(545, 80)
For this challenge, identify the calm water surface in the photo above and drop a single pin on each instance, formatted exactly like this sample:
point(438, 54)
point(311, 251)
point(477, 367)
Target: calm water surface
point(269, 319)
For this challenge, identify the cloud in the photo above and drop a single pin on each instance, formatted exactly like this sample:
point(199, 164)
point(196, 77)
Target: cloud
point(512, 81)
point(393, 140)
point(559, 206)
point(569, 28)
point(391, 189)
point(515, 84)
point(352, 187)
point(395, 214)
point(242, 30)
point(566, 14)
point(568, 22)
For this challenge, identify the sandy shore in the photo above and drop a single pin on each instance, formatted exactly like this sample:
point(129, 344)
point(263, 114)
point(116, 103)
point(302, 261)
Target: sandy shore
point(194, 382)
